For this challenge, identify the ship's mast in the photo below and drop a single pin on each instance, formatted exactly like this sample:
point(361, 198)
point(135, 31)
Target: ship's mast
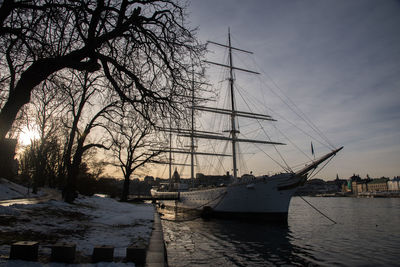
point(233, 116)
point(232, 112)
point(192, 135)
point(170, 152)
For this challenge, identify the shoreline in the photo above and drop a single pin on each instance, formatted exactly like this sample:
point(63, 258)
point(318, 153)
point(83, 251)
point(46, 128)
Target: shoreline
point(359, 195)
point(156, 253)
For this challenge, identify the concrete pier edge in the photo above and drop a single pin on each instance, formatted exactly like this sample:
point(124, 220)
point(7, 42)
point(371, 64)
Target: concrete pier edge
point(156, 252)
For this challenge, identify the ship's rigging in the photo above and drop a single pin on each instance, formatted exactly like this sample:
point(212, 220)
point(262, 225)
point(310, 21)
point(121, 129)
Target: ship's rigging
point(193, 134)
point(261, 197)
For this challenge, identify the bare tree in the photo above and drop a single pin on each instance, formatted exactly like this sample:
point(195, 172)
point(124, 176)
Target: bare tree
point(39, 162)
point(42, 117)
point(132, 142)
point(41, 37)
point(86, 107)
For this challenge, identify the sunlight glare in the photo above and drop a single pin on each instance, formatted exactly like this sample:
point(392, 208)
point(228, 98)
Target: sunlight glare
point(27, 136)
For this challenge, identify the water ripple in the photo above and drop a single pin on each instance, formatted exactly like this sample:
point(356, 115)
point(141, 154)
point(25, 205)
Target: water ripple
point(367, 234)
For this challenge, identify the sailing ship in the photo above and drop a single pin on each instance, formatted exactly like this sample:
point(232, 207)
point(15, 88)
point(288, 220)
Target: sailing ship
point(264, 197)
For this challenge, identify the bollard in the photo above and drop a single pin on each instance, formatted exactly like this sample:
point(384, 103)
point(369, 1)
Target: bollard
point(136, 255)
point(24, 250)
point(103, 253)
point(63, 252)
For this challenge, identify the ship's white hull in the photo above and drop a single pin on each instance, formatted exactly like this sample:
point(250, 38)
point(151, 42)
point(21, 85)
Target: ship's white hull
point(265, 197)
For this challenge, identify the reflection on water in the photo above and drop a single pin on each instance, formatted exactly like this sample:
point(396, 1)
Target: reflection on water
point(367, 233)
point(230, 243)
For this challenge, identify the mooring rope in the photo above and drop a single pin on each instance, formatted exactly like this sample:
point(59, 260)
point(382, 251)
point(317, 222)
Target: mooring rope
point(318, 210)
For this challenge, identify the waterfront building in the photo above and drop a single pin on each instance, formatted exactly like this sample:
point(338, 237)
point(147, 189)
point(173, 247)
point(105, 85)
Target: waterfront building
point(378, 185)
point(362, 186)
point(346, 187)
point(369, 185)
point(352, 183)
point(359, 185)
point(394, 185)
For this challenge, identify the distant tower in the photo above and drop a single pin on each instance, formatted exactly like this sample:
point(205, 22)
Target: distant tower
point(176, 178)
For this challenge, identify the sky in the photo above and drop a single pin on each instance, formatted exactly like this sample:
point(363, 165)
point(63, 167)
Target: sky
point(338, 60)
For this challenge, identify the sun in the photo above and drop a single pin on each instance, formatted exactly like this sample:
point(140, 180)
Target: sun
point(27, 136)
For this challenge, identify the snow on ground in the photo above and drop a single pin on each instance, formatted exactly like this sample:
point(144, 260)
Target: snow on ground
point(55, 264)
point(89, 222)
point(10, 190)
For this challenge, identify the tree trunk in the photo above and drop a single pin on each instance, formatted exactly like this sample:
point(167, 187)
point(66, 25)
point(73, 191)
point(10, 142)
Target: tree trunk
point(7, 153)
point(70, 192)
point(125, 189)
point(3, 165)
point(35, 184)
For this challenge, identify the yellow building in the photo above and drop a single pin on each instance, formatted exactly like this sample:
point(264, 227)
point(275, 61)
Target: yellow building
point(378, 185)
point(362, 187)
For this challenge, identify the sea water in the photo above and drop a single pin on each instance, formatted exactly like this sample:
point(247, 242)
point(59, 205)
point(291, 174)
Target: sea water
point(366, 233)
